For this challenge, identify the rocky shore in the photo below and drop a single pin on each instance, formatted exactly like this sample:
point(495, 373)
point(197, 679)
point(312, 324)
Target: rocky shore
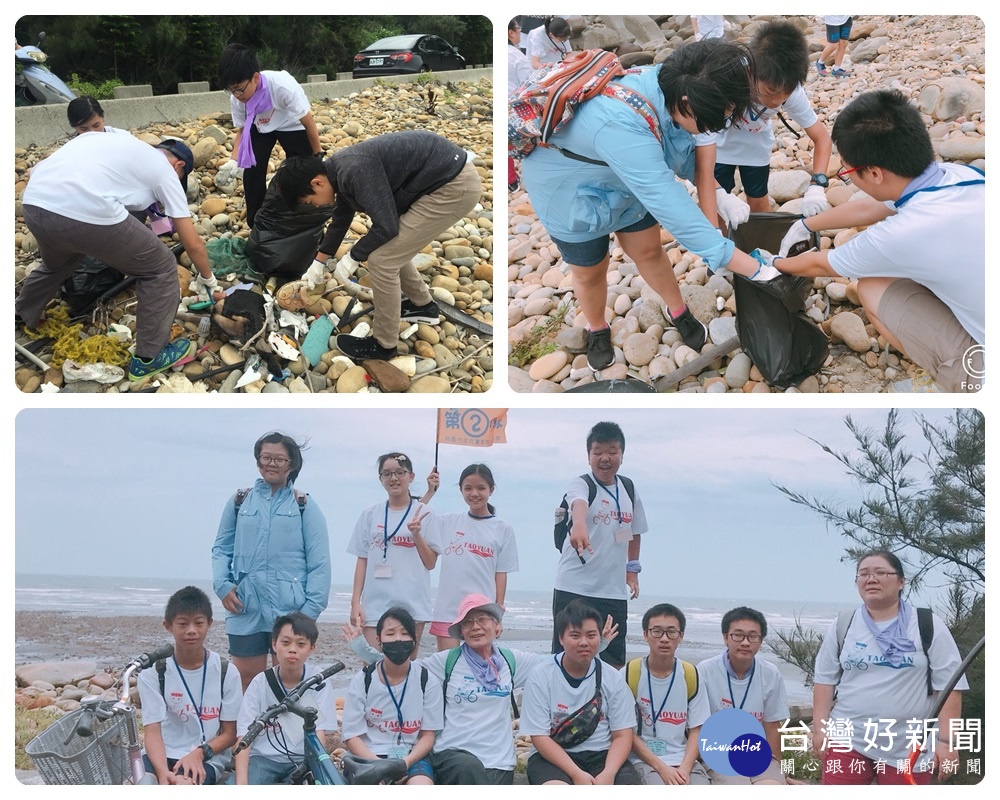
point(454, 356)
point(937, 61)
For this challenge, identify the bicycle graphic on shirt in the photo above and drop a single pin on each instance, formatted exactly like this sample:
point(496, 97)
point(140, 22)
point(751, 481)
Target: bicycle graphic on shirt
point(468, 696)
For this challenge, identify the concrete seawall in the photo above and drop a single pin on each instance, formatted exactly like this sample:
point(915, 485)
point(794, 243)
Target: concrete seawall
point(43, 125)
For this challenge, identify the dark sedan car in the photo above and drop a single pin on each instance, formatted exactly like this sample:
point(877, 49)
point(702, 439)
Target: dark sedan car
point(401, 55)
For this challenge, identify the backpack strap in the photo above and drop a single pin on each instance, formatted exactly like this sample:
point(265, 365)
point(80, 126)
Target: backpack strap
point(276, 688)
point(591, 488)
point(629, 487)
point(691, 679)
point(239, 497)
point(161, 676)
point(301, 498)
point(449, 666)
point(508, 656)
point(632, 671)
point(423, 679)
point(223, 668)
point(925, 622)
point(368, 671)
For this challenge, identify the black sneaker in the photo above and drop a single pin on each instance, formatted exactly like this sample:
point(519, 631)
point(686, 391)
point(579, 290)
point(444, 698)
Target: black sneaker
point(513, 186)
point(693, 332)
point(358, 349)
point(600, 351)
point(430, 313)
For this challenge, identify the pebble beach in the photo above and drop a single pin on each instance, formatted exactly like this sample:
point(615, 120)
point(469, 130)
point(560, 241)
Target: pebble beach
point(936, 61)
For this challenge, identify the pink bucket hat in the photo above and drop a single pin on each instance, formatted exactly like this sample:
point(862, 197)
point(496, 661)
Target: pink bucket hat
point(470, 603)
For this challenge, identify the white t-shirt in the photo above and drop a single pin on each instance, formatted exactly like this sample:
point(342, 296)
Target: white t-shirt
point(481, 726)
point(290, 105)
point(377, 719)
point(761, 692)
point(749, 142)
point(604, 573)
point(869, 688)
point(473, 552)
point(284, 734)
point(548, 49)
point(836, 19)
point(408, 583)
point(95, 178)
point(175, 709)
point(518, 68)
point(549, 699)
point(677, 714)
point(109, 129)
point(938, 239)
point(710, 26)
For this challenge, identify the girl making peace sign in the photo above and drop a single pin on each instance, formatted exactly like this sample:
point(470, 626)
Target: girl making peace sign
point(395, 551)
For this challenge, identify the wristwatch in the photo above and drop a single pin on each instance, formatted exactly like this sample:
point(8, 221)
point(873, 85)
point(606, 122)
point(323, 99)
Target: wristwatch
point(207, 753)
point(819, 179)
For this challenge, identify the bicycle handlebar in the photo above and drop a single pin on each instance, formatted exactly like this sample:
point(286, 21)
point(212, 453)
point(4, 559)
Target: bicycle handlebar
point(146, 660)
point(289, 703)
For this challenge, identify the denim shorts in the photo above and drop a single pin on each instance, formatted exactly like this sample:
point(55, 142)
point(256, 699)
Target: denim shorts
point(254, 644)
point(754, 178)
point(834, 33)
point(593, 252)
point(422, 767)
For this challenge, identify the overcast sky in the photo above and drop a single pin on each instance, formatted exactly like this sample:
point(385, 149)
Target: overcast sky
point(152, 484)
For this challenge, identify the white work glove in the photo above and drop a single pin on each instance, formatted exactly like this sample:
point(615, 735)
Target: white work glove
point(314, 275)
point(732, 210)
point(229, 171)
point(207, 285)
point(799, 232)
point(346, 267)
point(814, 201)
point(767, 270)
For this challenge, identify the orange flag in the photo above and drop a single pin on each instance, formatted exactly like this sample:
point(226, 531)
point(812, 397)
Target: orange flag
point(472, 427)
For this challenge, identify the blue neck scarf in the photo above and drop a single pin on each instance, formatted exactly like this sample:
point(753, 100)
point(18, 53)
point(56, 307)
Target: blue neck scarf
point(892, 641)
point(486, 672)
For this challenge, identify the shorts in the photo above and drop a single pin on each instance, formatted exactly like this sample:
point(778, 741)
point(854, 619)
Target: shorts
point(772, 773)
point(754, 178)
point(422, 767)
point(855, 769)
point(698, 776)
point(254, 644)
point(931, 335)
point(540, 770)
point(440, 629)
point(593, 252)
point(834, 33)
point(616, 609)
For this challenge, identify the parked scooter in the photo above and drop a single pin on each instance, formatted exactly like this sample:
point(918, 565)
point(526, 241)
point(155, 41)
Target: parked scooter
point(34, 83)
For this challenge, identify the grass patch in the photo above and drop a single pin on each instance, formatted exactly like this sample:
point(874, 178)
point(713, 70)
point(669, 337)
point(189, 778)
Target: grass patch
point(27, 725)
point(423, 78)
point(540, 341)
point(383, 83)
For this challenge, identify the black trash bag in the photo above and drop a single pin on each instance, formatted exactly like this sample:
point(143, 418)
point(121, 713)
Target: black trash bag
point(784, 344)
point(284, 241)
point(85, 286)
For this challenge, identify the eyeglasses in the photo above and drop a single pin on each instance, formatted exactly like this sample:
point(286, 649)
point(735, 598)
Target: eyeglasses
point(739, 636)
point(482, 620)
point(659, 633)
point(268, 461)
point(240, 89)
point(881, 574)
point(395, 473)
point(843, 173)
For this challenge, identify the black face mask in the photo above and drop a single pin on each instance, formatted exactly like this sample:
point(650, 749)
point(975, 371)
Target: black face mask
point(398, 652)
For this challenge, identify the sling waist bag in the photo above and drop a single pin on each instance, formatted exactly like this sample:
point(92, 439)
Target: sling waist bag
point(582, 723)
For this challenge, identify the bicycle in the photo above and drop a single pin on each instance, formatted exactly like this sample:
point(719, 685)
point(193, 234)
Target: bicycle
point(317, 767)
point(98, 744)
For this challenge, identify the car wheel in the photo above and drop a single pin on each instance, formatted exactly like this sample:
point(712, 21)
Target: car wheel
point(424, 68)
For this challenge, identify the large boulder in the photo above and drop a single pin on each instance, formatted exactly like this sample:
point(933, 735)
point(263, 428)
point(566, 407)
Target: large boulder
point(867, 49)
point(597, 37)
point(57, 673)
point(949, 98)
point(961, 148)
point(785, 185)
point(634, 27)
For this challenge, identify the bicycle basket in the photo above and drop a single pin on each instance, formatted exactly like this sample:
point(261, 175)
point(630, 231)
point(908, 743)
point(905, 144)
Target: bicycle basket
point(101, 759)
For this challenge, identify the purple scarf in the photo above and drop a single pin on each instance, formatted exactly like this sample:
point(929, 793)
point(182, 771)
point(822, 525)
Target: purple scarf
point(892, 641)
point(261, 101)
point(487, 675)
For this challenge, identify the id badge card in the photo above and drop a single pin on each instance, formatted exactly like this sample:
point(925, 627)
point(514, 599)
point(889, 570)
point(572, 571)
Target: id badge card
point(398, 751)
point(623, 534)
point(657, 746)
point(383, 571)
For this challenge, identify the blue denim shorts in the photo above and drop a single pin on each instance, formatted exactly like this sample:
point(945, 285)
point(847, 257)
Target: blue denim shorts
point(254, 644)
point(593, 252)
point(754, 178)
point(422, 767)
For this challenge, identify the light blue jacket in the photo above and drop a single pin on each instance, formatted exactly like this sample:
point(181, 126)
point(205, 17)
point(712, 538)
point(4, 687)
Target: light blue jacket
point(577, 201)
point(277, 558)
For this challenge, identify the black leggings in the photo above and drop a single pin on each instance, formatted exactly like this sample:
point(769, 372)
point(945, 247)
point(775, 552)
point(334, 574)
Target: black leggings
point(294, 143)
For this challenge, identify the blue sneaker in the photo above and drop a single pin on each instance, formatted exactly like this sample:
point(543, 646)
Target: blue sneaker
point(821, 69)
point(165, 359)
point(840, 73)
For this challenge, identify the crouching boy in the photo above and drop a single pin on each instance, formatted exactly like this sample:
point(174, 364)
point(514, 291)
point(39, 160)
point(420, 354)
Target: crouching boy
point(279, 749)
point(578, 710)
point(190, 700)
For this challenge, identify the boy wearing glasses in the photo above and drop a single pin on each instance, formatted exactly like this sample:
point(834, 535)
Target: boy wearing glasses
point(736, 678)
point(921, 269)
point(781, 65)
point(671, 704)
point(268, 107)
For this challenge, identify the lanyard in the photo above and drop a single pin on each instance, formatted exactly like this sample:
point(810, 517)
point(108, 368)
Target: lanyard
point(402, 695)
point(649, 682)
point(197, 706)
point(613, 496)
point(732, 695)
point(386, 536)
point(906, 197)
